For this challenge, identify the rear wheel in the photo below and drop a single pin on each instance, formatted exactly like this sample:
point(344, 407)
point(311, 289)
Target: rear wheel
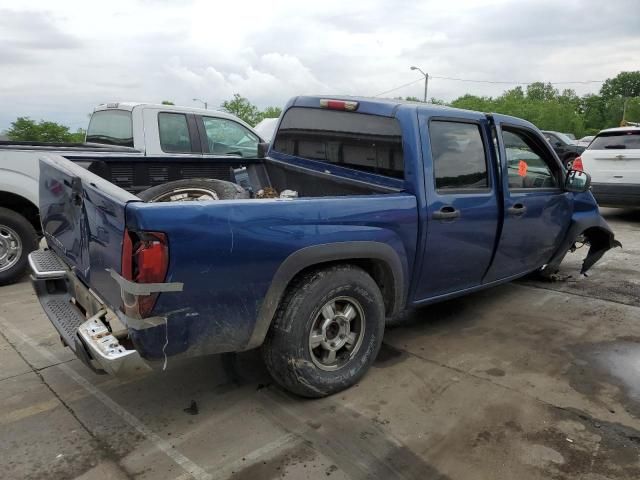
point(327, 331)
point(18, 238)
point(194, 190)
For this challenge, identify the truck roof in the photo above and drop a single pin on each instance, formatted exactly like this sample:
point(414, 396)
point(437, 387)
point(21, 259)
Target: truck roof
point(620, 129)
point(129, 106)
point(388, 106)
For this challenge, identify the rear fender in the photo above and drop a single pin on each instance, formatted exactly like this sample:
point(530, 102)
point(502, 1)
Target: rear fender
point(317, 255)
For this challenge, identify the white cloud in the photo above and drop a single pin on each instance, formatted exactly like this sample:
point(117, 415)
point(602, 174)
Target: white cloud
point(61, 59)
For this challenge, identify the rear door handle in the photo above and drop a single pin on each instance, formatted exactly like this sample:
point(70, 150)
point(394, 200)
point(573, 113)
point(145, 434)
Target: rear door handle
point(517, 209)
point(446, 212)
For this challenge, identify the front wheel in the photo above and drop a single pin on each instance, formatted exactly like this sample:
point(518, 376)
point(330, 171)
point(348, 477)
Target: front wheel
point(327, 331)
point(17, 239)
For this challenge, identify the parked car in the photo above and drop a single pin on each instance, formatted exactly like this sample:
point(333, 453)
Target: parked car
point(384, 206)
point(585, 141)
point(613, 161)
point(566, 148)
point(266, 128)
point(135, 145)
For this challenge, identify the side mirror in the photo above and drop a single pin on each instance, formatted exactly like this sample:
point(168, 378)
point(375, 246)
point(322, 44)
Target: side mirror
point(577, 181)
point(263, 148)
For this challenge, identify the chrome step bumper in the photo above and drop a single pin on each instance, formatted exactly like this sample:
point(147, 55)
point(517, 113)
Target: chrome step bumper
point(60, 292)
point(105, 349)
point(46, 264)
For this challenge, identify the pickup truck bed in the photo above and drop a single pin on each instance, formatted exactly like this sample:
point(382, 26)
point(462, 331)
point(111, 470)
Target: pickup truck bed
point(387, 217)
point(135, 146)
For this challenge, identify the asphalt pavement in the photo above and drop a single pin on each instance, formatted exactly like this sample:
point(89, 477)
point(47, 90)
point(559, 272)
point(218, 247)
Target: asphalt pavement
point(529, 380)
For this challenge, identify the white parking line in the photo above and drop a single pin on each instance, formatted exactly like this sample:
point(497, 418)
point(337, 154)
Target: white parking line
point(258, 454)
point(189, 466)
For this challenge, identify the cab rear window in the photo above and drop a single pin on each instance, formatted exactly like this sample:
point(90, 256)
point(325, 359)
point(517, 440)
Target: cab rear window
point(354, 140)
point(111, 127)
point(623, 140)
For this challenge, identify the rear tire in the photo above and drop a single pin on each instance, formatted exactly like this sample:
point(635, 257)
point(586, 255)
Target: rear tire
point(18, 238)
point(192, 190)
point(338, 309)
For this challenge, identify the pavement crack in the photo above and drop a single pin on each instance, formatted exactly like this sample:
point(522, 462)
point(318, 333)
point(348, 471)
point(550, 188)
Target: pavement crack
point(54, 365)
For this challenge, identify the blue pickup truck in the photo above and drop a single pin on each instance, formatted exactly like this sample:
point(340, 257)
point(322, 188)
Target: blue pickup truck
point(385, 206)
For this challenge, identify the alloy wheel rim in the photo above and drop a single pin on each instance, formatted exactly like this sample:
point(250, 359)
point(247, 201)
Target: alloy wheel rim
point(10, 248)
point(187, 195)
point(336, 333)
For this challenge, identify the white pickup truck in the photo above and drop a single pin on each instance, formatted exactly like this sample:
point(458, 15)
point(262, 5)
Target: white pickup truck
point(137, 146)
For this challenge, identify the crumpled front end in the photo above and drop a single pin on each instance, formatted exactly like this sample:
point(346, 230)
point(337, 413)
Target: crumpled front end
point(587, 227)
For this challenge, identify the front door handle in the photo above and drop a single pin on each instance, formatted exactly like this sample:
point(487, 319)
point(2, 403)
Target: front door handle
point(446, 213)
point(517, 209)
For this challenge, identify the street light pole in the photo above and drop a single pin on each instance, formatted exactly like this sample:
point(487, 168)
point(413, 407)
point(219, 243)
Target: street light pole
point(202, 101)
point(426, 82)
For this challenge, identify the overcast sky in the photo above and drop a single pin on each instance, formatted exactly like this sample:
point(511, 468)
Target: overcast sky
point(58, 59)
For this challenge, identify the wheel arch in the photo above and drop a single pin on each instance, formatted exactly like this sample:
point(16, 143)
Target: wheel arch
point(596, 230)
point(22, 206)
point(379, 260)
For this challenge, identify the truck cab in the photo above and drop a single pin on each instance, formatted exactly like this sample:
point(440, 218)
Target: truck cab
point(160, 130)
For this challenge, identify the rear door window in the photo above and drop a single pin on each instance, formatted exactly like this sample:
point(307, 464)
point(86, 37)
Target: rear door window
point(111, 127)
point(174, 133)
point(629, 139)
point(354, 140)
point(459, 157)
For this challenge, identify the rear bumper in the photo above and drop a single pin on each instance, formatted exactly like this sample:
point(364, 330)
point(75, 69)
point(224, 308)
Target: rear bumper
point(80, 318)
point(616, 194)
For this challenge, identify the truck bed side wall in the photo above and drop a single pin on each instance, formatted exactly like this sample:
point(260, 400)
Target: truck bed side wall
point(227, 253)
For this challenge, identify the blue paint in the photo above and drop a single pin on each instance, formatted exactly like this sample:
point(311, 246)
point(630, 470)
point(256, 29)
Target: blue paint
point(227, 253)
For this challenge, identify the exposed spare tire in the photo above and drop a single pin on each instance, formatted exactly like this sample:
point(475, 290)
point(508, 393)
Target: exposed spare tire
point(194, 190)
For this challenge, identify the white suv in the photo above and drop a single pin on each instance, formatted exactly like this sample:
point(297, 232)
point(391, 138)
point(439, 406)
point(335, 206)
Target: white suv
point(613, 161)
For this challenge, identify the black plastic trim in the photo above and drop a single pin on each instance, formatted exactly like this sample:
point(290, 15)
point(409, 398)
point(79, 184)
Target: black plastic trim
point(616, 194)
point(318, 254)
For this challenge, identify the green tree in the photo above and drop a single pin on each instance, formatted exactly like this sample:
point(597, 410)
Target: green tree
point(623, 85)
point(167, 102)
point(473, 102)
point(242, 108)
point(25, 129)
point(79, 136)
point(271, 112)
point(541, 91)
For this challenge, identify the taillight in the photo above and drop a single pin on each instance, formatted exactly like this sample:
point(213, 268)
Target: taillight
point(145, 259)
point(577, 164)
point(339, 104)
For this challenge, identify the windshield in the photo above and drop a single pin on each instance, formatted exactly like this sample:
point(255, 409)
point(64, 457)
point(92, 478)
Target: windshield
point(111, 127)
point(621, 140)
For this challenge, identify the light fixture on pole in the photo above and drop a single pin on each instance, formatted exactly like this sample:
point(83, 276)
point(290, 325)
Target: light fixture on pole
point(202, 101)
point(426, 81)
